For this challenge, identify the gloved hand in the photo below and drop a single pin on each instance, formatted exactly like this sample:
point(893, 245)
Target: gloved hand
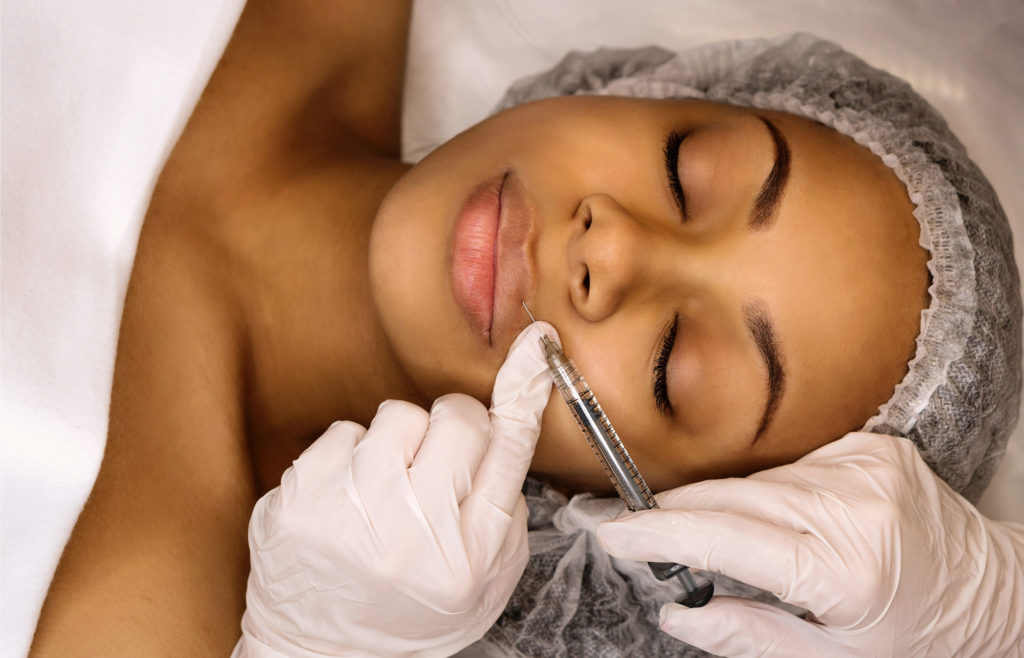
point(887, 558)
point(405, 537)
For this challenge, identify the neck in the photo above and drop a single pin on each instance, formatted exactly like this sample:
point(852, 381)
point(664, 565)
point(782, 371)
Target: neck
point(317, 351)
point(364, 369)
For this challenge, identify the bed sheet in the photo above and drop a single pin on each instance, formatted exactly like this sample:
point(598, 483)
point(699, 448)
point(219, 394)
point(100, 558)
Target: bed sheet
point(94, 95)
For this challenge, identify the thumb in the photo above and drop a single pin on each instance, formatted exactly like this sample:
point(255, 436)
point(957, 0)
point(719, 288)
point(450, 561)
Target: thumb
point(521, 392)
point(524, 374)
point(730, 626)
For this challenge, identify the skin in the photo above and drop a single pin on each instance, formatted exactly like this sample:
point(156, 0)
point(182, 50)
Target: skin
point(838, 271)
point(266, 301)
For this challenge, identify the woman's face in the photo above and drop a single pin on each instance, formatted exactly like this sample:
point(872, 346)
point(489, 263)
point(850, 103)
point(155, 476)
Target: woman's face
point(738, 287)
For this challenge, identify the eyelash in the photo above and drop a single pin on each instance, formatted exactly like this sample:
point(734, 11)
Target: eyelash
point(661, 400)
point(671, 153)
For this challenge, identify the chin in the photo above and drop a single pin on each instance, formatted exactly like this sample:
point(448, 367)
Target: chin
point(408, 261)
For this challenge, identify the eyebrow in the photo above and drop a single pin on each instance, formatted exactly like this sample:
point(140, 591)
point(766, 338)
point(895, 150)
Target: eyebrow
point(763, 332)
point(766, 206)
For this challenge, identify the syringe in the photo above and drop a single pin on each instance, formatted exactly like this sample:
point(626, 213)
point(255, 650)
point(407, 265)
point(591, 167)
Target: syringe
point(617, 463)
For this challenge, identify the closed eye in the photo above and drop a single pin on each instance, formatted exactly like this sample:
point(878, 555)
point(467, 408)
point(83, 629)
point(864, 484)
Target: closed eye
point(661, 400)
point(671, 153)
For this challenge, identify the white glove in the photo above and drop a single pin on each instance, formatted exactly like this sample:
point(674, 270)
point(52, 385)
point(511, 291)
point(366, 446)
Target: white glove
point(887, 558)
point(407, 537)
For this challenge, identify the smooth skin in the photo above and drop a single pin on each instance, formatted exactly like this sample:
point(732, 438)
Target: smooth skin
point(837, 270)
point(291, 271)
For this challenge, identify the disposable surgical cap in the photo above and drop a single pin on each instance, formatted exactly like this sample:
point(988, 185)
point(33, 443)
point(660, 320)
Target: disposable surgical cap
point(958, 401)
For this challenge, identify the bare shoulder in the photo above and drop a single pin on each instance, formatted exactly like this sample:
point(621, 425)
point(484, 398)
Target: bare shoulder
point(322, 75)
point(291, 146)
point(161, 543)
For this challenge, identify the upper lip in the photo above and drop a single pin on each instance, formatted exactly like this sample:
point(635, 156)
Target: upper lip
point(514, 253)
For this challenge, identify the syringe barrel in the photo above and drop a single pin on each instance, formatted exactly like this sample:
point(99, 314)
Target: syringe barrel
point(598, 430)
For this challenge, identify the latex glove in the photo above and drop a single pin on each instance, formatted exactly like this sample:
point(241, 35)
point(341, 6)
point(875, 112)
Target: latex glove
point(407, 537)
point(889, 560)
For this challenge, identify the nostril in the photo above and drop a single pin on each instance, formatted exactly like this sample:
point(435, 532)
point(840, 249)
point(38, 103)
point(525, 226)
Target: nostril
point(588, 220)
point(586, 283)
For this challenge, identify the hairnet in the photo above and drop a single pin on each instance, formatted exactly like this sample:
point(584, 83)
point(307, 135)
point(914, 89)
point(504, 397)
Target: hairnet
point(958, 401)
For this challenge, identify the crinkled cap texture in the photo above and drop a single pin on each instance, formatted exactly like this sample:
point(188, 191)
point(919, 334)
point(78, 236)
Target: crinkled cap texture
point(958, 401)
point(576, 600)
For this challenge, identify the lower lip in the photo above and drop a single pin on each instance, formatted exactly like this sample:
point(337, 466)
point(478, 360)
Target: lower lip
point(473, 255)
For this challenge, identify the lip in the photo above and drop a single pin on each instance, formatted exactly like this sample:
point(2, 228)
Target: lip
point(473, 254)
point(490, 267)
point(514, 271)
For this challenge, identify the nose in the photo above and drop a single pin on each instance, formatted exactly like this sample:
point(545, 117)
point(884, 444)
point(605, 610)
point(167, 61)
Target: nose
point(610, 257)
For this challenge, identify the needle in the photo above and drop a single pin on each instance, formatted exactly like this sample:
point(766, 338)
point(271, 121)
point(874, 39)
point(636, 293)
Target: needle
point(528, 313)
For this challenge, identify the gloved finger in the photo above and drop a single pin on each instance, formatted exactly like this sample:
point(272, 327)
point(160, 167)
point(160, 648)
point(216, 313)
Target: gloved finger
point(729, 626)
point(521, 391)
point(852, 446)
point(510, 562)
point(282, 518)
point(382, 457)
point(858, 465)
point(457, 436)
point(322, 461)
point(441, 475)
point(478, 584)
point(750, 550)
point(803, 507)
